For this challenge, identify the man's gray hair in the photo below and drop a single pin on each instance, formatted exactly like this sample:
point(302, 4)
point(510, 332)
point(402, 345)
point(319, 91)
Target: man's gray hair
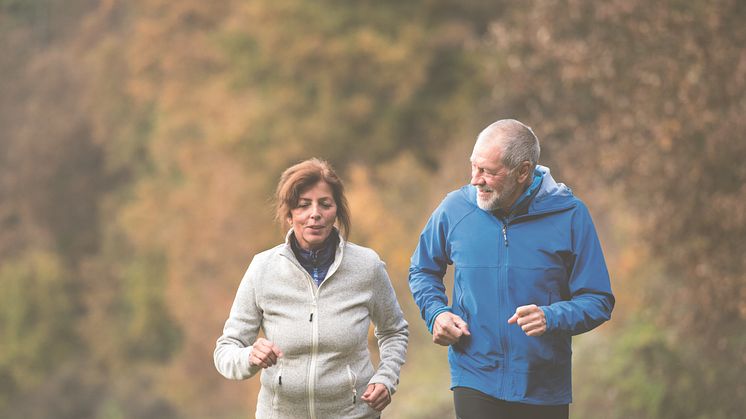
point(519, 143)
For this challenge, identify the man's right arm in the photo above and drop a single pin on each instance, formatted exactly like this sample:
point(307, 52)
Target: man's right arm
point(428, 266)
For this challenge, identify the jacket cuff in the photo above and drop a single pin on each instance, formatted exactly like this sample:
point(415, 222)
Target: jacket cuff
point(437, 312)
point(380, 379)
point(551, 319)
point(244, 362)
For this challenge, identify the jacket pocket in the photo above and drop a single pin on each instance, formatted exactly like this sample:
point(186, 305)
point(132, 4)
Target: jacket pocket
point(352, 381)
point(276, 389)
point(458, 306)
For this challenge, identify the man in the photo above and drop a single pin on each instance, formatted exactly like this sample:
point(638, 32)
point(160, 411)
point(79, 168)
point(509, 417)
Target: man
point(529, 274)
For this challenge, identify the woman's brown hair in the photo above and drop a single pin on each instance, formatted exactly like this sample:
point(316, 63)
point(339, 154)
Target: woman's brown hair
point(298, 178)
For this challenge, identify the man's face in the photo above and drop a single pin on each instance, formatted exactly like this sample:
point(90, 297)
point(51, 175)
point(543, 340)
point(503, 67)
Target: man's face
point(497, 187)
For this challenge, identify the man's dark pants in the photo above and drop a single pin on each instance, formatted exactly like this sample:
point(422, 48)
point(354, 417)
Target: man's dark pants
point(473, 404)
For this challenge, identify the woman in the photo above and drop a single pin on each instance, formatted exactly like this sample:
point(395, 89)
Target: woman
point(314, 297)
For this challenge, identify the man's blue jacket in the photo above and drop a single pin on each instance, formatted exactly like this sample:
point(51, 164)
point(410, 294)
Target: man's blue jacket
point(546, 252)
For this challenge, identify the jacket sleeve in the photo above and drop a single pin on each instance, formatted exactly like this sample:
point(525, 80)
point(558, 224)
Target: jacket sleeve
point(233, 348)
point(591, 300)
point(428, 266)
point(391, 330)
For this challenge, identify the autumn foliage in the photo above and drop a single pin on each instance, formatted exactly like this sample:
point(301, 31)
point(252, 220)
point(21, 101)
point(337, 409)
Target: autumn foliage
point(140, 142)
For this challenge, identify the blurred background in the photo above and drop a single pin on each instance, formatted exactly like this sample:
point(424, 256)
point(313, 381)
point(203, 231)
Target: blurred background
point(141, 140)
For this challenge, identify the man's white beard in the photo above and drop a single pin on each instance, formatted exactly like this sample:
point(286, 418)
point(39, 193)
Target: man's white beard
point(496, 200)
point(490, 203)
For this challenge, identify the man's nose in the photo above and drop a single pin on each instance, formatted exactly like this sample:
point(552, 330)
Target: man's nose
point(476, 178)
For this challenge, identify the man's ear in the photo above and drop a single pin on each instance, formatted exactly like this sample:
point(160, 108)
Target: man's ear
point(524, 172)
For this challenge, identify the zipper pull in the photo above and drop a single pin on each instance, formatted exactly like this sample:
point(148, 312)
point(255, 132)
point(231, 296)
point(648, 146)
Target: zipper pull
point(505, 234)
point(353, 381)
point(310, 319)
point(279, 373)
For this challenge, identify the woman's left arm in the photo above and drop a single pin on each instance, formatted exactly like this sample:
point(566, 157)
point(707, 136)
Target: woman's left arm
point(391, 330)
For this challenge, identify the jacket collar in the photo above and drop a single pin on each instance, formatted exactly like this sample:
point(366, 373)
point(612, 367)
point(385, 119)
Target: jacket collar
point(286, 250)
point(289, 236)
point(316, 257)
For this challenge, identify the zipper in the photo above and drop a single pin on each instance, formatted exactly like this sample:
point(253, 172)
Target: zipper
point(505, 338)
point(314, 289)
point(353, 382)
point(314, 353)
point(503, 287)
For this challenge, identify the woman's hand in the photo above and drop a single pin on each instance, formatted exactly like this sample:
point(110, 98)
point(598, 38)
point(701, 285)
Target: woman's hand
point(377, 396)
point(264, 353)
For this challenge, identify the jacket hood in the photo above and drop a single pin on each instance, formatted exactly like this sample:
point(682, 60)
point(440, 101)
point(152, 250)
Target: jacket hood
point(551, 195)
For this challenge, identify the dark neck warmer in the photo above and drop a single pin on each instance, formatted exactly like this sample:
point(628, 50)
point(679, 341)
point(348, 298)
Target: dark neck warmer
point(520, 207)
point(317, 262)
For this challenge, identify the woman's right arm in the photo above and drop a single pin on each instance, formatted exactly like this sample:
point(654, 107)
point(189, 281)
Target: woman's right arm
point(233, 349)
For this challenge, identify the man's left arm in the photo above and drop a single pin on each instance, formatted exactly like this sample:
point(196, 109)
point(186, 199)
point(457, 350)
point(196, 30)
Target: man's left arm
point(591, 300)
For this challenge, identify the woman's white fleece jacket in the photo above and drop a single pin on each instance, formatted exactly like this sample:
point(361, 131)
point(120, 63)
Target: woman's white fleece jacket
point(322, 332)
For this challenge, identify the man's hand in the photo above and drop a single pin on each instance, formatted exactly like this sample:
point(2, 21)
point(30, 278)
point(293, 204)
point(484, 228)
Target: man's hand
point(264, 353)
point(377, 396)
point(531, 318)
point(448, 329)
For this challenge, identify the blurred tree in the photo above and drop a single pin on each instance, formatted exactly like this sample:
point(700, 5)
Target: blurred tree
point(54, 179)
point(656, 92)
point(402, 76)
point(140, 142)
point(36, 336)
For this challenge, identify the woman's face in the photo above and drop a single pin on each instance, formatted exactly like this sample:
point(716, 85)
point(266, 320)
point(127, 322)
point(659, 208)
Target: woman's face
point(314, 217)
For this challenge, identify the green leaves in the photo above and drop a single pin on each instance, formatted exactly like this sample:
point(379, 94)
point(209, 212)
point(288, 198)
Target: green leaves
point(149, 332)
point(37, 321)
